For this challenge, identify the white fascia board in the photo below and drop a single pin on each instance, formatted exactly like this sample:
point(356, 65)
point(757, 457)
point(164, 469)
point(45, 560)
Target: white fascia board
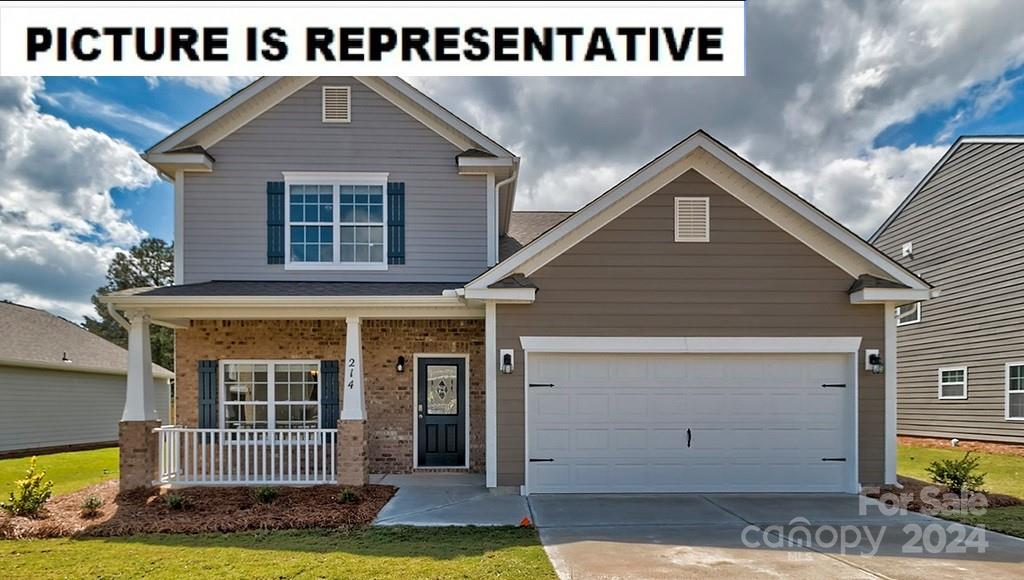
point(502, 295)
point(884, 295)
point(170, 163)
point(141, 300)
point(997, 139)
point(695, 345)
point(486, 162)
point(60, 366)
point(656, 175)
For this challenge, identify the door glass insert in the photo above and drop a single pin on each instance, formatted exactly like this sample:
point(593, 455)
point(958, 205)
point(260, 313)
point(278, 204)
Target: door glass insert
point(442, 390)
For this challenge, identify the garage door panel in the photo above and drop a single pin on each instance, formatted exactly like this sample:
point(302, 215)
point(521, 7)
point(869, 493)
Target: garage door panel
point(619, 423)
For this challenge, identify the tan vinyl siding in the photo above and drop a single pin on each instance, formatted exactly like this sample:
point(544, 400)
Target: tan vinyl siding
point(225, 232)
point(49, 408)
point(631, 279)
point(968, 241)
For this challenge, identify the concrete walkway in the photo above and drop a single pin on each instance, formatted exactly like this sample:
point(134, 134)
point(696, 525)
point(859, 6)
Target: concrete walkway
point(756, 536)
point(448, 499)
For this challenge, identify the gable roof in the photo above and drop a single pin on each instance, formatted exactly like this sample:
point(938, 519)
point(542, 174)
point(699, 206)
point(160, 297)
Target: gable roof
point(257, 97)
point(735, 175)
point(36, 338)
point(962, 140)
point(526, 226)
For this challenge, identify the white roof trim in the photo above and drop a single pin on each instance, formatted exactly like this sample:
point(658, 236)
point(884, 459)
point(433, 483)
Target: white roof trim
point(883, 295)
point(701, 345)
point(207, 132)
point(990, 139)
point(699, 151)
point(142, 300)
point(196, 162)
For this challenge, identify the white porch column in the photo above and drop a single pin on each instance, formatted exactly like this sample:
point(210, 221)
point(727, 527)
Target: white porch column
point(353, 405)
point(491, 393)
point(889, 360)
point(140, 400)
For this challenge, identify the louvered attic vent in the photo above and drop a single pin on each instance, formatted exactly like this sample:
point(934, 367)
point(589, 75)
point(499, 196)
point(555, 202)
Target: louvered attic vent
point(692, 219)
point(337, 104)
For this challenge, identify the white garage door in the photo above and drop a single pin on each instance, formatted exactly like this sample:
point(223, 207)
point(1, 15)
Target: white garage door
point(689, 422)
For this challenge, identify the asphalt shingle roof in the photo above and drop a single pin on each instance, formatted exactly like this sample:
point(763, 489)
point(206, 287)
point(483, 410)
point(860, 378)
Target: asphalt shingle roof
point(280, 288)
point(526, 226)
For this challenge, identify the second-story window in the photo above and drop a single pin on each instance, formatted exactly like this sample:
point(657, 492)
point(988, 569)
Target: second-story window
point(336, 221)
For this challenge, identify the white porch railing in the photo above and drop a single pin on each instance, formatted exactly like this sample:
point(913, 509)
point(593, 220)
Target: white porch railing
point(247, 457)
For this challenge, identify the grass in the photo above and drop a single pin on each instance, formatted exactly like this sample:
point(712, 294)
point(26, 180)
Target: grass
point(1004, 473)
point(69, 471)
point(508, 553)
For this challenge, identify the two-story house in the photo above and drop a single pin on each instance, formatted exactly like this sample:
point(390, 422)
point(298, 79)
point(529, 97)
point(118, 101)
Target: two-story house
point(961, 365)
point(355, 294)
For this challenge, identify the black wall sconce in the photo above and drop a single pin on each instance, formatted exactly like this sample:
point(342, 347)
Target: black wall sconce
point(873, 361)
point(506, 361)
point(400, 365)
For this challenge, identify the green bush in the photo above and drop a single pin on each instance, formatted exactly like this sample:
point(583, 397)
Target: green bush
point(265, 494)
point(347, 496)
point(959, 475)
point(91, 506)
point(175, 501)
point(30, 494)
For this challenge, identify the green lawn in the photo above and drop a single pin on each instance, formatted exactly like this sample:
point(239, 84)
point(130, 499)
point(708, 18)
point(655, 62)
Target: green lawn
point(1005, 473)
point(405, 553)
point(69, 471)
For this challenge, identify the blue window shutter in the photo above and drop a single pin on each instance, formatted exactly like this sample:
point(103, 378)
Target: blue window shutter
point(208, 392)
point(396, 223)
point(275, 222)
point(329, 408)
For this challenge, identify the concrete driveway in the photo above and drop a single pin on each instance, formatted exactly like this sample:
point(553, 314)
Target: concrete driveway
point(757, 536)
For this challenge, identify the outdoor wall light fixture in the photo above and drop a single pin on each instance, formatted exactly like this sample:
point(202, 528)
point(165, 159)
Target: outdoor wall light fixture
point(64, 359)
point(873, 361)
point(400, 365)
point(506, 361)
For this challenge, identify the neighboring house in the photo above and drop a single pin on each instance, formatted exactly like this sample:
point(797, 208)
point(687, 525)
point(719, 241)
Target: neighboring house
point(961, 366)
point(60, 385)
point(355, 295)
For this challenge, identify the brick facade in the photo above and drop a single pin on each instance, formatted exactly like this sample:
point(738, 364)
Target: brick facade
point(352, 452)
point(389, 394)
point(138, 454)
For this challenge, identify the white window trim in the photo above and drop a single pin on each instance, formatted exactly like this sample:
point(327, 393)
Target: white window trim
point(957, 398)
point(335, 180)
point(900, 315)
point(271, 400)
point(1006, 406)
point(707, 220)
point(323, 104)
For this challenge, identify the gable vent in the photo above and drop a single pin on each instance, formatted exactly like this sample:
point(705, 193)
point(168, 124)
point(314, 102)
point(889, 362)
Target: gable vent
point(692, 219)
point(337, 104)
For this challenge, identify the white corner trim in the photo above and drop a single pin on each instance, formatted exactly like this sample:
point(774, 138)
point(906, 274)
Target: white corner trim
point(492, 221)
point(882, 295)
point(889, 359)
point(697, 345)
point(491, 393)
point(179, 227)
point(940, 383)
point(655, 175)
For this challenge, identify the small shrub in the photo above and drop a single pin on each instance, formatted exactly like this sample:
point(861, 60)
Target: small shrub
point(91, 506)
point(30, 494)
point(347, 496)
point(265, 494)
point(175, 501)
point(959, 475)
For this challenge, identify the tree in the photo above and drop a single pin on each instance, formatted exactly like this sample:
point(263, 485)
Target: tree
point(150, 263)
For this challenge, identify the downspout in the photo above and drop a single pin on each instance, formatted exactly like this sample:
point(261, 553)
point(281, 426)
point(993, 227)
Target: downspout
point(117, 316)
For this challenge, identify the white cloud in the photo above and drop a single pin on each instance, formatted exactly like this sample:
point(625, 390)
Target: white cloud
point(140, 122)
point(218, 86)
point(59, 226)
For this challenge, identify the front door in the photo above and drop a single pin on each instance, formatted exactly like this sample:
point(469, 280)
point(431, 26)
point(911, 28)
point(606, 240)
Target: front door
point(441, 412)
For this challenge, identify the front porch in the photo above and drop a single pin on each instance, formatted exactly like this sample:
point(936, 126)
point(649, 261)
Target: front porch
point(287, 396)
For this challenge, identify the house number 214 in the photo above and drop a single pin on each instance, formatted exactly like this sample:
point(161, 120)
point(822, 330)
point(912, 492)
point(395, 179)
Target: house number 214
point(351, 373)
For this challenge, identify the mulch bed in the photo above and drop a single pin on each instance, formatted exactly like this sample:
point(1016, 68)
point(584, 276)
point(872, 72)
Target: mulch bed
point(979, 446)
point(913, 499)
point(207, 509)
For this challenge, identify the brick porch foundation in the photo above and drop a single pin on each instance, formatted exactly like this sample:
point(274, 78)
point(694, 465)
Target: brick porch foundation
point(353, 461)
point(139, 454)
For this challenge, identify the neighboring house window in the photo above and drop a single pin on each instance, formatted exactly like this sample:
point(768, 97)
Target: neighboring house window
point(908, 314)
point(1015, 391)
point(336, 221)
point(953, 383)
point(270, 395)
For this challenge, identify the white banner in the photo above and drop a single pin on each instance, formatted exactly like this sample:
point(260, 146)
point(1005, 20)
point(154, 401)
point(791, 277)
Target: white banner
point(375, 38)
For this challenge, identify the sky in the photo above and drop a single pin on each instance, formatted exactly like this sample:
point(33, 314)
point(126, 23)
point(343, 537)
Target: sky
point(846, 103)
